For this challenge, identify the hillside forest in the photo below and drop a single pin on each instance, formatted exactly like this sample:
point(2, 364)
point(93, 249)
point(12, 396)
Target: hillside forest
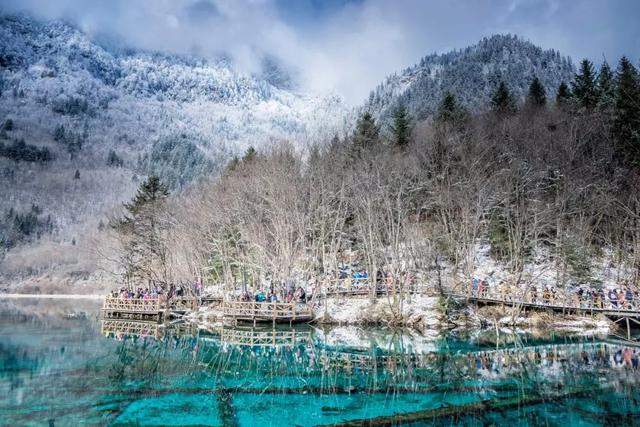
point(545, 187)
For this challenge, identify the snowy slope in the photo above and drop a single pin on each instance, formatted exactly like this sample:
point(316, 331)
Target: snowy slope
point(57, 72)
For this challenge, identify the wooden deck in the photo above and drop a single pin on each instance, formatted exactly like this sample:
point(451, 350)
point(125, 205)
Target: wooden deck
point(146, 309)
point(275, 312)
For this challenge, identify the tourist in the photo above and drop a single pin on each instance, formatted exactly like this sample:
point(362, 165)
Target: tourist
point(474, 286)
point(197, 287)
point(613, 298)
point(622, 303)
point(389, 281)
point(579, 297)
point(348, 283)
point(300, 295)
point(289, 296)
point(602, 297)
point(260, 297)
point(629, 297)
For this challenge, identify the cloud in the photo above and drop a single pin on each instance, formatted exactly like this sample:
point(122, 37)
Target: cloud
point(348, 46)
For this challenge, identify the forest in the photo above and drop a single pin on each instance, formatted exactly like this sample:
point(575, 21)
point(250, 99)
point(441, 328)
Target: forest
point(540, 181)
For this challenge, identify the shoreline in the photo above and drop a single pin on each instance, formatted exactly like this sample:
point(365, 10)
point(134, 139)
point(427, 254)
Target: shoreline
point(52, 296)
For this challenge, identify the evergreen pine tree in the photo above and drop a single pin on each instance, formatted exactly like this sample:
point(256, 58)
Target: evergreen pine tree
point(367, 131)
point(249, 155)
point(606, 88)
point(626, 115)
point(233, 164)
point(58, 134)
point(502, 101)
point(151, 191)
point(537, 95)
point(563, 96)
point(144, 255)
point(114, 160)
point(450, 111)
point(585, 90)
point(8, 125)
point(401, 126)
point(77, 174)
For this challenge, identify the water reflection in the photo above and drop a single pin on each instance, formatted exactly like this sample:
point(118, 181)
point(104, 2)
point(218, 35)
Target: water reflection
point(72, 369)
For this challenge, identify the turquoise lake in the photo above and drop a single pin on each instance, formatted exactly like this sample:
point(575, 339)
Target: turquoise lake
point(61, 365)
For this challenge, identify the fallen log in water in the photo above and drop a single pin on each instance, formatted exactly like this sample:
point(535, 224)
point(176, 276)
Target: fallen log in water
point(458, 411)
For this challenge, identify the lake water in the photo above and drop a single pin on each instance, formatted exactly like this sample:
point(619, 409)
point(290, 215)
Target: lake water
point(61, 365)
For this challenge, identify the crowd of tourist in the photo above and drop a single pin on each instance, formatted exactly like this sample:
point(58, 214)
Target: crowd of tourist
point(346, 280)
point(158, 291)
point(137, 293)
point(289, 294)
point(623, 297)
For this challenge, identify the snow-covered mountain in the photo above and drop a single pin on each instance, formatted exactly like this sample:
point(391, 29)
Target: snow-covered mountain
point(471, 74)
point(52, 75)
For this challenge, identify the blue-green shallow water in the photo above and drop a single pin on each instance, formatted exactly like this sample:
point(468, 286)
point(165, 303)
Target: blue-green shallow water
point(61, 370)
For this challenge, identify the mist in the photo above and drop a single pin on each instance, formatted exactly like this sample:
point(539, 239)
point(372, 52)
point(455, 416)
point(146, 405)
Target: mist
point(346, 47)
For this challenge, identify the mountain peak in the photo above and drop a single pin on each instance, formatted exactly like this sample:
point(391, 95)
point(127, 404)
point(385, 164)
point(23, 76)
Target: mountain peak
point(471, 74)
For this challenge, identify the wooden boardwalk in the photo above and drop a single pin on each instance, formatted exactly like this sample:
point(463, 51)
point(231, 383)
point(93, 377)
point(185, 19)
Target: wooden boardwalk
point(629, 314)
point(275, 312)
point(146, 309)
point(564, 305)
point(363, 288)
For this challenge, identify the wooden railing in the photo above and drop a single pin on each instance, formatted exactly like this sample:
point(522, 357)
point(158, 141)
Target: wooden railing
point(149, 305)
point(559, 301)
point(132, 305)
point(363, 287)
point(251, 310)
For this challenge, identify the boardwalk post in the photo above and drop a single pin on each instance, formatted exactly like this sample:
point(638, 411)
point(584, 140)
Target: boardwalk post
point(628, 329)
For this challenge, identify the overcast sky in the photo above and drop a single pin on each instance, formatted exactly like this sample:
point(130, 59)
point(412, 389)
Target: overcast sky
point(348, 46)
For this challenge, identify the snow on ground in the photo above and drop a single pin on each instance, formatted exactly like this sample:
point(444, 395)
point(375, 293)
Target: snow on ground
point(420, 311)
point(541, 270)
